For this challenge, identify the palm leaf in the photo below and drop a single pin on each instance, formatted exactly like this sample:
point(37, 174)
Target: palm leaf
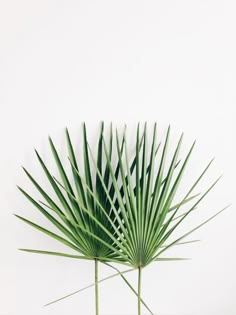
point(125, 213)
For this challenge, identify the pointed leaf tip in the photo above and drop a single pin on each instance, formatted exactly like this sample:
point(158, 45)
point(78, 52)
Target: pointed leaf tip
point(36, 152)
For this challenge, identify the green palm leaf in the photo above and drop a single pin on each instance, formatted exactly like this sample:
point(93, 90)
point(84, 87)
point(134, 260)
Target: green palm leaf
point(88, 217)
point(146, 209)
point(118, 209)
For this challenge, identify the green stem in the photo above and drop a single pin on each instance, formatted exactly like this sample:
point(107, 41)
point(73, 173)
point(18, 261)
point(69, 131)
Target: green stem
point(130, 286)
point(96, 286)
point(139, 289)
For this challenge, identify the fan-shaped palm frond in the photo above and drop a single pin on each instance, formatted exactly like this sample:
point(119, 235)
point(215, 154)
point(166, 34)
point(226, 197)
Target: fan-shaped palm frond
point(125, 213)
point(82, 212)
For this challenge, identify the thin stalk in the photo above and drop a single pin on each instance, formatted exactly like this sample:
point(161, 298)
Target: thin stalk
point(139, 289)
point(96, 286)
point(130, 286)
point(89, 286)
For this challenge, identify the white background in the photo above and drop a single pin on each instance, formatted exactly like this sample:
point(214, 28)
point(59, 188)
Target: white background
point(64, 62)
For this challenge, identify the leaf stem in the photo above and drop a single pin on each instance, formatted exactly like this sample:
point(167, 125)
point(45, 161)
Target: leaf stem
point(139, 289)
point(96, 286)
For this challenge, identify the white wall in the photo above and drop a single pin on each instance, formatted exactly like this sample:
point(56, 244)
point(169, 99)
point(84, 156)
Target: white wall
point(64, 62)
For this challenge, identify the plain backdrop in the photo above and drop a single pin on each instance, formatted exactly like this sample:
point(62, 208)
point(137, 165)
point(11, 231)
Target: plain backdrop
point(65, 62)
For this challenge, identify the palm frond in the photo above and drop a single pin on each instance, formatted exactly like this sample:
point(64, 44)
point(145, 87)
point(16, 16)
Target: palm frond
point(118, 208)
